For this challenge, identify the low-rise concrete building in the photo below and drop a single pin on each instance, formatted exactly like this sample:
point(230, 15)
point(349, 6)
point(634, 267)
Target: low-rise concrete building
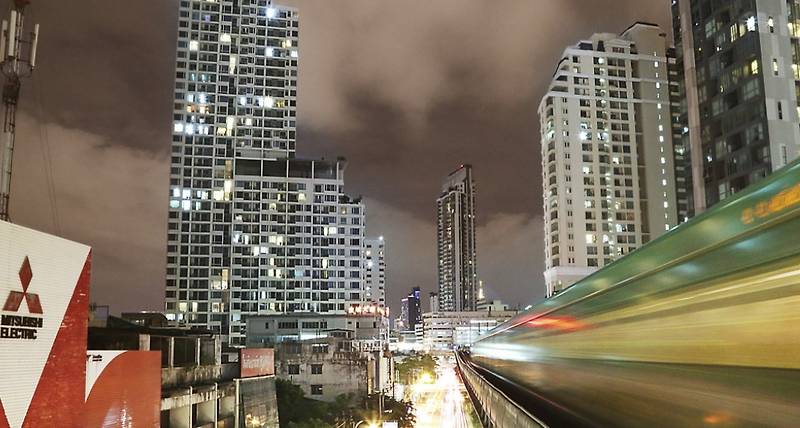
point(327, 355)
point(444, 330)
point(327, 367)
point(198, 389)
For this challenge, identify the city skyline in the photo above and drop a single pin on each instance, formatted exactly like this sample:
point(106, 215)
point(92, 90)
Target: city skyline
point(104, 86)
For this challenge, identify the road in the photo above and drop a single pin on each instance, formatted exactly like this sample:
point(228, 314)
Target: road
point(443, 402)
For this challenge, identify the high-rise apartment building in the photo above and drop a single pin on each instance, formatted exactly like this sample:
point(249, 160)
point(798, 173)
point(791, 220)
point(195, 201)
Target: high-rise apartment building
point(458, 277)
point(608, 161)
point(739, 75)
point(252, 229)
point(375, 269)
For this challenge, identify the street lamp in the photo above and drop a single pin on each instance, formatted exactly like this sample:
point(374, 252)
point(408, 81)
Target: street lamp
point(371, 425)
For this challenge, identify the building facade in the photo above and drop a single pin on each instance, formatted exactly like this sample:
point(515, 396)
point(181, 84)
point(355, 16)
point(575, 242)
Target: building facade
point(608, 159)
point(252, 229)
point(457, 257)
point(367, 328)
point(739, 76)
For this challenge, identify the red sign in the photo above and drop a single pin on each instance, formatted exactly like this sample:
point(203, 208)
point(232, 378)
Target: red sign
point(257, 362)
point(15, 297)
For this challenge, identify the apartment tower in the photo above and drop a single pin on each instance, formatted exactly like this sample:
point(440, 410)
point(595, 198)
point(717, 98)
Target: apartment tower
point(608, 160)
point(739, 66)
point(458, 277)
point(252, 229)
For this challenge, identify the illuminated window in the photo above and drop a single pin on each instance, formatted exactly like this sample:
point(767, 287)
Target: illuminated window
point(750, 24)
point(194, 45)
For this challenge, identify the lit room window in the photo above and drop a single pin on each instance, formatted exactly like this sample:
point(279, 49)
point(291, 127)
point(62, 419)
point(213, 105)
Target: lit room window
point(751, 23)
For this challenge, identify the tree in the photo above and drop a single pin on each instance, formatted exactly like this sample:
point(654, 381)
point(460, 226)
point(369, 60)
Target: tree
point(297, 411)
point(415, 365)
point(390, 410)
point(291, 402)
point(311, 423)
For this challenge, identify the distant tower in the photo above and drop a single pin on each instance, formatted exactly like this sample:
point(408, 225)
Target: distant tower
point(18, 54)
point(434, 302)
point(375, 271)
point(410, 311)
point(458, 277)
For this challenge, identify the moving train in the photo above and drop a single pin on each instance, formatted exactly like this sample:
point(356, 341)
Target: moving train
point(699, 328)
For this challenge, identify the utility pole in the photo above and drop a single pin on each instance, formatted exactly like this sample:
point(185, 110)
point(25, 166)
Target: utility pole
point(18, 56)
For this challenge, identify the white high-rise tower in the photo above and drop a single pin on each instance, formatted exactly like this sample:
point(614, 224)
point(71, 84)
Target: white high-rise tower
point(608, 161)
point(375, 280)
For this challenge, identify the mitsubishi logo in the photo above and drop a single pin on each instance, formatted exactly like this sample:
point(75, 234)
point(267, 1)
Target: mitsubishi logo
point(15, 297)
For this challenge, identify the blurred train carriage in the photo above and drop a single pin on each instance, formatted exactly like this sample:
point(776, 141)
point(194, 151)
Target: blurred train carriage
point(701, 327)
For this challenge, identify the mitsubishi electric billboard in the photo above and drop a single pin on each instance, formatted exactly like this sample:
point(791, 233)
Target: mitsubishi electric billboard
point(44, 298)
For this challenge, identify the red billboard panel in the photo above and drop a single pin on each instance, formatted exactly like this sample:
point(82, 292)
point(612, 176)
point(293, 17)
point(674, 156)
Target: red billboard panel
point(123, 389)
point(257, 362)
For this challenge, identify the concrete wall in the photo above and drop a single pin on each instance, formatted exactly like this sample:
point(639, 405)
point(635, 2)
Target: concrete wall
point(172, 377)
point(494, 408)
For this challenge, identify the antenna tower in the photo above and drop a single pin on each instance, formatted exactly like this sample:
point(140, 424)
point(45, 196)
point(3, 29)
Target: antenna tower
point(18, 56)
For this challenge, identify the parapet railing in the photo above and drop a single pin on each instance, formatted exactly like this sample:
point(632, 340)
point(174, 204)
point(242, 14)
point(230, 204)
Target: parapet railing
point(494, 407)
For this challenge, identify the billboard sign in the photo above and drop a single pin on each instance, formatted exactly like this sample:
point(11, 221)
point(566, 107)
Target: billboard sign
point(257, 362)
point(123, 388)
point(44, 298)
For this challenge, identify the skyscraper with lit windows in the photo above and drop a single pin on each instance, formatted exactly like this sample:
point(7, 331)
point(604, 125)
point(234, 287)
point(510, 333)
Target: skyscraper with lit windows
point(739, 75)
point(457, 256)
point(609, 163)
point(252, 229)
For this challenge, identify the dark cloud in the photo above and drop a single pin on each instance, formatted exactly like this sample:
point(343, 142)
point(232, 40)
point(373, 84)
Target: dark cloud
point(108, 69)
point(406, 91)
point(409, 91)
point(111, 197)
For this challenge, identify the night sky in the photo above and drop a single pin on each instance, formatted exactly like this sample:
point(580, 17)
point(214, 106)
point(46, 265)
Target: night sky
point(405, 91)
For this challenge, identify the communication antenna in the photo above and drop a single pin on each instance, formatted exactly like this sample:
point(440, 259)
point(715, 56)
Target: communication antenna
point(18, 57)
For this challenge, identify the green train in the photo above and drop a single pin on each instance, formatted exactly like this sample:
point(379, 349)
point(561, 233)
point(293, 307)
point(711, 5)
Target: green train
point(700, 327)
